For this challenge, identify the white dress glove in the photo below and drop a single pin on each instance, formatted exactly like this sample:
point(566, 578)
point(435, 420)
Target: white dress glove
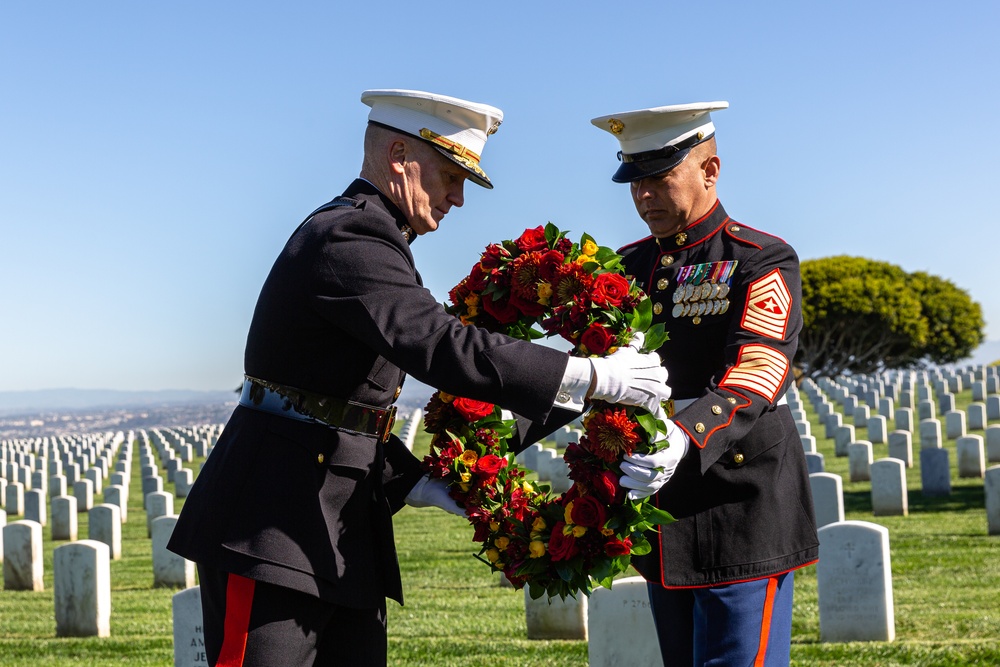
point(429, 492)
point(645, 474)
point(632, 378)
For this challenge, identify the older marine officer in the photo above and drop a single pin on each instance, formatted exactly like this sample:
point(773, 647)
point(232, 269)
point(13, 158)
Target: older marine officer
point(720, 578)
point(290, 519)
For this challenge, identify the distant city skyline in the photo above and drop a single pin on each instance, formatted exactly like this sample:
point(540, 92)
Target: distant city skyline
point(156, 156)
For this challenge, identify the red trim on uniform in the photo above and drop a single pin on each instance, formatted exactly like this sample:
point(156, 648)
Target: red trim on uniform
point(743, 581)
point(753, 229)
point(702, 445)
point(765, 621)
point(239, 600)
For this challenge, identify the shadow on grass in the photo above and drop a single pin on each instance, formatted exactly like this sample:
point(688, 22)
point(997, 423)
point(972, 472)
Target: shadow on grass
point(962, 498)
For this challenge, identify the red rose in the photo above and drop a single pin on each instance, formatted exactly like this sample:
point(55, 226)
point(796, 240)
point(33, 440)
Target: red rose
point(597, 339)
point(477, 279)
point(609, 289)
point(490, 464)
point(561, 547)
point(549, 264)
point(493, 255)
point(503, 311)
point(472, 410)
point(532, 239)
point(588, 511)
point(615, 547)
point(606, 486)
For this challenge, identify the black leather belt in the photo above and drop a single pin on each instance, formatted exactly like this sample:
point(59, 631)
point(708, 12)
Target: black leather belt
point(306, 406)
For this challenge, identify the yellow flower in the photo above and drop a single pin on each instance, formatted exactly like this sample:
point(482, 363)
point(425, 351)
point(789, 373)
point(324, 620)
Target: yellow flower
point(465, 320)
point(492, 555)
point(445, 398)
point(568, 513)
point(536, 549)
point(568, 529)
point(466, 476)
point(472, 300)
point(607, 532)
point(469, 458)
point(465, 486)
point(538, 524)
point(589, 248)
point(578, 531)
point(527, 487)
point(501, 542)
point(494, 526)
point(544, 293)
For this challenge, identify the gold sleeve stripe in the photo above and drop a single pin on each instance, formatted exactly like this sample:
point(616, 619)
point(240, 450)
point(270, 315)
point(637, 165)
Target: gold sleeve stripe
point(767, 307)
point(760, 369)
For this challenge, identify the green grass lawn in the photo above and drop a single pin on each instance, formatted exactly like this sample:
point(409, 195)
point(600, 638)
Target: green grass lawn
point(945, 572)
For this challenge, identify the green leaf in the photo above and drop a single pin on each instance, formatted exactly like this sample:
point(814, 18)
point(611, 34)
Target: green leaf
point(642, 316)
point(647, 422)
point(641, 547)
point(552, 233)
point(656, 336)
point(656, 516)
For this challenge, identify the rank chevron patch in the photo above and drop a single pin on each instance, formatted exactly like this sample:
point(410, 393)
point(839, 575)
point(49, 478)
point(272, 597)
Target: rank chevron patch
point(768, 303)
point(760, 368)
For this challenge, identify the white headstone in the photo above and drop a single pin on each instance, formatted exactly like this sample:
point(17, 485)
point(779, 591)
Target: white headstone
point(993, 444)
point(615, 614)
point(861, 415)
point(977, 416)
point(814, 462)
point(926, 410)
point(859, 458)
point(169, 569)
point(158, 503)
point(954, 422)
point(828, 497)
point(843, 437)
point(529, 456)
point(808, 443)
point(15, 499)
point(876, 429)
point(22, 556)
point(556, 618)
point(889, 488)
point(35, 507)
point(992, 492)
point(935, 472)
point(854, 581)
point(183, 481)
point(105, 525)
point(901, 447)
point(971, 456)
point(542, 463)
point(993, 407)
point(64, 520)
point(930, 434)
point(189, 636)
point(831, 423)
point(83, 489)
point(118, 495)
point(82, 582)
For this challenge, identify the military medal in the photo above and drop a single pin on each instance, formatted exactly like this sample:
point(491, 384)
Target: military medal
point(701, 290)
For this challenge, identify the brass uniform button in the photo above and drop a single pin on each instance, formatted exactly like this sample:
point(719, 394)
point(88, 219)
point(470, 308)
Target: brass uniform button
point(734, 228)
point(662, 284)
point(738, 458)
point(666, 260)
point(657, 308)
point(716, 410)
point(731, 400)
point(696, 320)
point(699, 427)
point(320, 458)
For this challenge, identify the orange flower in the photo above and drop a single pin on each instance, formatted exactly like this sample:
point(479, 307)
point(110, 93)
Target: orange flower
point(611, 434)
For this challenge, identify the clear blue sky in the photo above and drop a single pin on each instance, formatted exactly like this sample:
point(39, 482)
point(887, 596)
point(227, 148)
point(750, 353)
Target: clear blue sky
point(154, 157)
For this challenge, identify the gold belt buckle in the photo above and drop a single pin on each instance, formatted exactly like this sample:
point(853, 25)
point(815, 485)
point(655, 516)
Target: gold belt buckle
point(390, 420)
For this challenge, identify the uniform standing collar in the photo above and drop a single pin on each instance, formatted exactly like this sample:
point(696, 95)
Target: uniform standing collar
point(365, 188)
point(697, 231)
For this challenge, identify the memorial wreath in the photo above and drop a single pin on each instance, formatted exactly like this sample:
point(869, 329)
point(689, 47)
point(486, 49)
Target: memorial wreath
point(556, 545)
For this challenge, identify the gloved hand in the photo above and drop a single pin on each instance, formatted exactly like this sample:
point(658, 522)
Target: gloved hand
point(632, 378)
point(429, 492)
point(645, 474)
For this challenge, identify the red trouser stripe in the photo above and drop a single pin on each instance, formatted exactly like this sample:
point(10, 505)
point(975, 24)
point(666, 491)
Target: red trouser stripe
point(765, 621)
point(239, 600)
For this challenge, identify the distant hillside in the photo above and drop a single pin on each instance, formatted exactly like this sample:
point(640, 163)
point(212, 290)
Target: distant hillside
point(12, 402)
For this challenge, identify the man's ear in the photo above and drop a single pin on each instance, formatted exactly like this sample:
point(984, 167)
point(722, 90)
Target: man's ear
point(712, 166)
point(397, 156)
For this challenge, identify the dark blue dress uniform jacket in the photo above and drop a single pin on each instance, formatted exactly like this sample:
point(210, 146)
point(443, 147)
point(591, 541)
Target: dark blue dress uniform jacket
point(729, 297)
point(343, 314)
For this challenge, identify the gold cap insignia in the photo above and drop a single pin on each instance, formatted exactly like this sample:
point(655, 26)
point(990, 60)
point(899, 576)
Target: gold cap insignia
point(493, 128)
point(681, 238)
point(615, 125)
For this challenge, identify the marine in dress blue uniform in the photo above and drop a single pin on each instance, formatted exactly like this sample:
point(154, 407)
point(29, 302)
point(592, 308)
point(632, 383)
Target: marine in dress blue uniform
point(290, 519)
point(720, 578)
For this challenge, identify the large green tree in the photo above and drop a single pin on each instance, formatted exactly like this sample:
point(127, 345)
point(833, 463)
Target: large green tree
point(865, 316)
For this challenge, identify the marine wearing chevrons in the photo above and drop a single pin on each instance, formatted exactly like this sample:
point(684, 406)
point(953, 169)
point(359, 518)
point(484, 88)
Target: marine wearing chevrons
point(730, 298)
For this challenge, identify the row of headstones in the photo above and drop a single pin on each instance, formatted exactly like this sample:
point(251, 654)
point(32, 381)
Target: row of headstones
point(854, 578)
point(82, 573)
point(412, 426)
point(548, 464)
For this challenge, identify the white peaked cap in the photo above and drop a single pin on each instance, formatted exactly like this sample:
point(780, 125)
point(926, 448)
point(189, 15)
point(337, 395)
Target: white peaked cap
point(654, 141)
point(457, 128)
